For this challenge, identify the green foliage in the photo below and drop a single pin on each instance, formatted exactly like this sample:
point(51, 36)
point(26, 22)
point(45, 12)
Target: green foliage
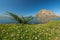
point(49, 31)
point(21, 19)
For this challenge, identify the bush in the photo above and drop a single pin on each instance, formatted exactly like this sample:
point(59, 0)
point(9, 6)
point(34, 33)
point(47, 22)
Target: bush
point(30, 31)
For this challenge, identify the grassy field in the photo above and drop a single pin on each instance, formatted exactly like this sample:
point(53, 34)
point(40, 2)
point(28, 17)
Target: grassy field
point(49, 31)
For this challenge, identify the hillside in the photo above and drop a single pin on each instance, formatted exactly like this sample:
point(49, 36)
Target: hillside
point(49, 31)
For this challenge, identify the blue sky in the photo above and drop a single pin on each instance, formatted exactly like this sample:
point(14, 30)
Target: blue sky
point(29, 7)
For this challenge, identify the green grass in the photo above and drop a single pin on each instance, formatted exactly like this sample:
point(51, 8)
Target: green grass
point(49, 31)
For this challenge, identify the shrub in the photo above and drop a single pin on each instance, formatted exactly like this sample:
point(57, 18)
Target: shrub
point(20, 19)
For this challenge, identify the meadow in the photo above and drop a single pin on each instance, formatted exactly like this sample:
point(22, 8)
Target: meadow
point(48, 31)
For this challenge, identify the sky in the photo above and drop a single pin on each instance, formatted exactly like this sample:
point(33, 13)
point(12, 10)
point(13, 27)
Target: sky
point(29, 7)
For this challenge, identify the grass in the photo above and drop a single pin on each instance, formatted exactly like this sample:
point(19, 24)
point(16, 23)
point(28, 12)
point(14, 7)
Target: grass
point(49, 31)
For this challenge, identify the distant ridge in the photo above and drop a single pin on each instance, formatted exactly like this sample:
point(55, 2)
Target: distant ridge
point(4, 16)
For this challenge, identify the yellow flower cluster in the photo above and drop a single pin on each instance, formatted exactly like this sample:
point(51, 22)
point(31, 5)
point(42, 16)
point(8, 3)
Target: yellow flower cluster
point(49, 31)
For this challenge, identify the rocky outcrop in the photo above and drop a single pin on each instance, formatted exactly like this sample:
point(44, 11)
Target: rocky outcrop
point(45, 16)
point(47, 13)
